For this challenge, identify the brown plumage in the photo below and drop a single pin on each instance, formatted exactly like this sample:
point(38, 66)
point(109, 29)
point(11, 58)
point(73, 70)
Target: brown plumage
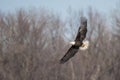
point(78, 41)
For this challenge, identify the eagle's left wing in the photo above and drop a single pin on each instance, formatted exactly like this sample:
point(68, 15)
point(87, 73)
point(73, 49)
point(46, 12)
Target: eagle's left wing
point(70, 53)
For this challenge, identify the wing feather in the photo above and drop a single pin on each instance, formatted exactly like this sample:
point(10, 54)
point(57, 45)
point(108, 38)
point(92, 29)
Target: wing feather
point(70, 53)
point(81, 34)
point(78, 35)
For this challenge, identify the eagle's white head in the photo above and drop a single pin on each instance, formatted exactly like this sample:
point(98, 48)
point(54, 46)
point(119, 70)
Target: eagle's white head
point(84, 46)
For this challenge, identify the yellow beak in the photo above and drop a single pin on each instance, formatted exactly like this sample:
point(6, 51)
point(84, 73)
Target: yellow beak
point(84, 45)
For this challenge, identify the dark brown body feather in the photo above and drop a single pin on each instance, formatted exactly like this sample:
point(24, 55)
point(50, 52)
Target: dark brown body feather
point(78, 41)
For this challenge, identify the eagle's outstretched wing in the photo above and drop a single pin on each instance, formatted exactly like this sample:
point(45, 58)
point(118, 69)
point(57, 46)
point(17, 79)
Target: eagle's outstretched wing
point(81, 32)
point(70, 53)
point(79, 39)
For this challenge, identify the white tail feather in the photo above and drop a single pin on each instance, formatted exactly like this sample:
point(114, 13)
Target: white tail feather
point(72, 43)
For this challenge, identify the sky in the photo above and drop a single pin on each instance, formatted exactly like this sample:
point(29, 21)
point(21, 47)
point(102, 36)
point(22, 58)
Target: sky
point(59, 6)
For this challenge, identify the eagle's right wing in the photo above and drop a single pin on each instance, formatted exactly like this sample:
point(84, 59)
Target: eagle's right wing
point(81, 34)
point(82, 30)
point(70, 53)
point(78, 35)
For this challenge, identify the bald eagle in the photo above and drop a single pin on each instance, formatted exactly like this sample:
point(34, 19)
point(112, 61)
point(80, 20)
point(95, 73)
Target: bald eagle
point(78, 42)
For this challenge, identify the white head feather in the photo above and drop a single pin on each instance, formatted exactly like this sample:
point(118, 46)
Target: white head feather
point(86, 45)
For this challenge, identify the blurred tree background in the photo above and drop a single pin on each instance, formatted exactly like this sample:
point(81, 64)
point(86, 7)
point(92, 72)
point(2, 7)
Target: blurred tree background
point(32, 43)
